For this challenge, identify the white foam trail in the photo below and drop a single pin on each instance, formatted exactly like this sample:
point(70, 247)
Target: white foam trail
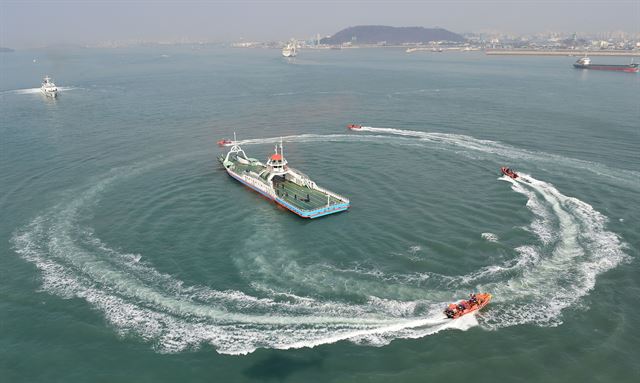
point(313, 138)
point(136, 299)
point(629, 177)
point(489, 237)
point(542, 225)
point(24, 91)
point(546, 277)
point(37, 90)
point(556, 275)
point(66, 88)
point(414, 249)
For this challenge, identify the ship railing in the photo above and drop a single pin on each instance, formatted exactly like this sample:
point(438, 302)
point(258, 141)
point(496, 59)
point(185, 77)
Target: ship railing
point(309, 183)
point(332, 194)
point(299, 173)
point(301, 178)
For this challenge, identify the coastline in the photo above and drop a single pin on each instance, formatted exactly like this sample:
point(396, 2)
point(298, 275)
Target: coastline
point(559, 52)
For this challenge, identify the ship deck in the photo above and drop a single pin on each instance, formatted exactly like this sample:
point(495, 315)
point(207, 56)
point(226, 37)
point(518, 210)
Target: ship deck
point(296, 195)
point(241, 168)
point(293, 193)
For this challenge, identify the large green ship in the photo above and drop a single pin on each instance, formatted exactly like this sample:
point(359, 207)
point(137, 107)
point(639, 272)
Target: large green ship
point(281, 183)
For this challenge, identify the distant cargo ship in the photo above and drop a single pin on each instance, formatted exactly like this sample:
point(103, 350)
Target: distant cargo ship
point(282, 184)
point(585, 63)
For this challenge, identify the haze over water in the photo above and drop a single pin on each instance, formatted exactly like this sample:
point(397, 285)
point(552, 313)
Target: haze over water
point(128, 252)
point(98, 21)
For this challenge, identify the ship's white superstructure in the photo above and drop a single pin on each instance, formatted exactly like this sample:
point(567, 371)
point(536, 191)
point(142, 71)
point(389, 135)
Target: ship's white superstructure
point(48, 87)
point(584, 61)
point(290, 50)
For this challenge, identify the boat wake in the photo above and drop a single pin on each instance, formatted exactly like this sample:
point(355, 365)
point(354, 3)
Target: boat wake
point(37, 90)
point(469, 145)
point(573, 247)
point(490, 237)
point(138, 300)
point(23, 91)
point(315, 138)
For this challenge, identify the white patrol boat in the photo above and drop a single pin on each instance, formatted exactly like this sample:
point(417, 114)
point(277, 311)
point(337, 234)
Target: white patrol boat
point(48, 87)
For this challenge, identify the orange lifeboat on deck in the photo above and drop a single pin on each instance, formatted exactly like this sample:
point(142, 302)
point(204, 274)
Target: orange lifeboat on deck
point(354, 127)
point(508, 172)
point(474, 303)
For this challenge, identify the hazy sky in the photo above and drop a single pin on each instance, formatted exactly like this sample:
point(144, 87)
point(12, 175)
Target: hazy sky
point(28, 23)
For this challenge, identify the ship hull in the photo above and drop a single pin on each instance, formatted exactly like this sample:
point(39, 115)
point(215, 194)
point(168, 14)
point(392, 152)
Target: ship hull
point(311, 214)
point(52, 94)
point(616, 68)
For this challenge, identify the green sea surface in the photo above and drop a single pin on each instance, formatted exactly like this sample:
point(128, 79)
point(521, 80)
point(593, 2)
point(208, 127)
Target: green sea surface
point(127, 254)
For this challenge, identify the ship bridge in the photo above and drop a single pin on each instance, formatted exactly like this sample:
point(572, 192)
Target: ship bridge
point(276, 163)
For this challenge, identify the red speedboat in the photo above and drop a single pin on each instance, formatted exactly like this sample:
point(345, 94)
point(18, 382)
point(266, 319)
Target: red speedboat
point(225, 142)
point(508, 172)
point(354, 127)
point(474, 303)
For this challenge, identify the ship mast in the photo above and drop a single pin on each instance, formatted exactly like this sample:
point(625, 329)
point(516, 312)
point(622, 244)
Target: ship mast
point(281, 149)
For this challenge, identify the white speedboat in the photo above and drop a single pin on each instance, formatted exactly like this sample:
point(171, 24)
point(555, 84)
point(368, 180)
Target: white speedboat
point(290, 50)
point(48, 87)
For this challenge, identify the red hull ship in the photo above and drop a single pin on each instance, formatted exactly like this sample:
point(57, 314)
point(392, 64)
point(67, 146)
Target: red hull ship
point(354, 127)
point(585, 63)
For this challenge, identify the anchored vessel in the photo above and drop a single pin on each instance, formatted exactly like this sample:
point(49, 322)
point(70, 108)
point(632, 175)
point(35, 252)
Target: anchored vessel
point(281, 183)
point(585, 63)
point(48, 87)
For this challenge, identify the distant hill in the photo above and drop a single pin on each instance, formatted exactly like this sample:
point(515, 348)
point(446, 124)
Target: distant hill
point(373, 34)
point(3, 49)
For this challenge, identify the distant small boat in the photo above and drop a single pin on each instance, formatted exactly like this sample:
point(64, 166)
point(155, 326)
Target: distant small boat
point(354, 127)
point(224, 142)
point(464, 307)
point(508, 172)
point(585, 63)
point(49, 88)
point(290, 50)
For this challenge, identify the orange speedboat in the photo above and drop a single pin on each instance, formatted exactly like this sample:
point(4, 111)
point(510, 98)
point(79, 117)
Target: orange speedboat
point(464, 307)
point(508, 172)
point(224, 142)
point(354, 127)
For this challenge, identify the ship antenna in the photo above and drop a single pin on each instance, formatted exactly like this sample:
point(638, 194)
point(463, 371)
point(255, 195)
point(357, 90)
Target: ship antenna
point(234, 137)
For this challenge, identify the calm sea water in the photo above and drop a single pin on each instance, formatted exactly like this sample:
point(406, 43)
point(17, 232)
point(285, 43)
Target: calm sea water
point(127, 254)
